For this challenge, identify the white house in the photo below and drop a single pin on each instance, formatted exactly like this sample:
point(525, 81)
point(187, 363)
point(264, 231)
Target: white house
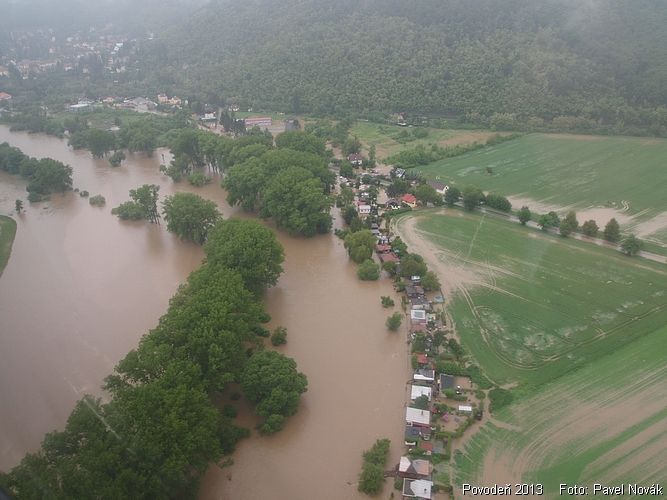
point(364, 210)
point(420, 390)
point(415, 416)
point(465, 409)
point(424, 375)
point(417, 488)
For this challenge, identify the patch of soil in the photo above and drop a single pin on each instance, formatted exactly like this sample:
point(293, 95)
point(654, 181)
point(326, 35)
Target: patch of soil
point(657, 223)
point(574, 137)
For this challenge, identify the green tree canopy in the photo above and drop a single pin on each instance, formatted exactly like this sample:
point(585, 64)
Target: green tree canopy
point(272, 382)
point(524, 215)
point(100, 142)
point(368, 271)
point(590, 228)
point(301, 141)
point(248, 246)
point(631, 245)
point(190, 216)
point(360, 245)
point(472, 197)
point(612, 231)
point(296, 201)
point(452, 196)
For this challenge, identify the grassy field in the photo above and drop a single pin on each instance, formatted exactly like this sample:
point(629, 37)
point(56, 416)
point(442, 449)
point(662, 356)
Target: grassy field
point(562, 170)
point(387, 138)
point(581, 329)
point(534, 306)
point(7, 233)
point(604, 423)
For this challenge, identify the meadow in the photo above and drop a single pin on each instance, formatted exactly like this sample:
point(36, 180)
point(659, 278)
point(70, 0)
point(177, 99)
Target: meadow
point(7, 233)
point(604, 423)
point(390, 139)
point(575, 330)
point(534, 306)
point(624, 173)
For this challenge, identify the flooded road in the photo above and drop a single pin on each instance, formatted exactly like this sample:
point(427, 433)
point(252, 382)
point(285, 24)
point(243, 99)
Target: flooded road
point(81, 287)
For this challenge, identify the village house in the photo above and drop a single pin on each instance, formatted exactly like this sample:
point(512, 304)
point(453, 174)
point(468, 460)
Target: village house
point(420, 390)
point(355, 159)
point(417, 488)
point(393, 204)
point(439, 187)
point(415, 416)
point(424, 375)
point(162, 99)
point(414, 468)
point(388, 257)
point(414, 433)
point(446, 381)
point(363, 210)
point(409, 200)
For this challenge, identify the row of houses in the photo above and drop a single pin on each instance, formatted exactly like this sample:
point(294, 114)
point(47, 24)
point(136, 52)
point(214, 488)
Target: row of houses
point(430, 409)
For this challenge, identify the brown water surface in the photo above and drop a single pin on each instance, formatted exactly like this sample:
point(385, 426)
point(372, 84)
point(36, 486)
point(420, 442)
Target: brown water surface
point(81, 287)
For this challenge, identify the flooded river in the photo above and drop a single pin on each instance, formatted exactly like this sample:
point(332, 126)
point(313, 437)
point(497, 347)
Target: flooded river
point(81, 287)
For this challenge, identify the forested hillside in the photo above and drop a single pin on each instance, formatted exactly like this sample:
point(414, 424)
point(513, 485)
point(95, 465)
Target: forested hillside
point(601, 61)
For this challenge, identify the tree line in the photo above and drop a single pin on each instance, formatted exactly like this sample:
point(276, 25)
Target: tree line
point(159, 429)
point(44, 176)
point(289, 183)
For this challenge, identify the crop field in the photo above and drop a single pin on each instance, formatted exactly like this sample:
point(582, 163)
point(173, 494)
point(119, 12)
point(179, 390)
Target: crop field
point(578, 330)
point(602, 424)
point(390, 139)
point(628, 174)
point(531, 306)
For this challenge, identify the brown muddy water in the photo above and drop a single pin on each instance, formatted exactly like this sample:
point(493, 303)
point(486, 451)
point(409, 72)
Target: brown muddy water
point(81, 287)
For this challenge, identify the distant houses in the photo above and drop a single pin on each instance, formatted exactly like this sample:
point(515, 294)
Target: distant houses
point(4, 97)
point(439, 187)
point(355, 159)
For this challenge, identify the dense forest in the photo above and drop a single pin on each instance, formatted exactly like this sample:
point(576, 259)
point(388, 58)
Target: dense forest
point(592, 64)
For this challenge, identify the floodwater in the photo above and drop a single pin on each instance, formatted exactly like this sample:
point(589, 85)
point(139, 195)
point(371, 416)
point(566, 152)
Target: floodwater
point(81, 287)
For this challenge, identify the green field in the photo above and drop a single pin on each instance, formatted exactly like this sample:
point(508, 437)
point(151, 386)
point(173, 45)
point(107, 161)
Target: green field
point(7, 233)
point(604, 423)
point(566, 170)
point(387, 141)
point(539, 305)
point(578, 330)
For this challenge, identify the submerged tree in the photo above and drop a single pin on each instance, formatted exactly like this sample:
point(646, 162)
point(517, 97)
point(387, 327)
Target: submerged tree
point(190, 216)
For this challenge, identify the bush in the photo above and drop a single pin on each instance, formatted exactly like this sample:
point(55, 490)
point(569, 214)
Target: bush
point(430, 281)
point(116, 158)
point(84, 193)
point(279, 336)
point(372, 472)
point(272, 424)
point(198, 179)
point(129, 210)
point(368, 271)
point(387, 301)
point(394, 321)
point(97, 201)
